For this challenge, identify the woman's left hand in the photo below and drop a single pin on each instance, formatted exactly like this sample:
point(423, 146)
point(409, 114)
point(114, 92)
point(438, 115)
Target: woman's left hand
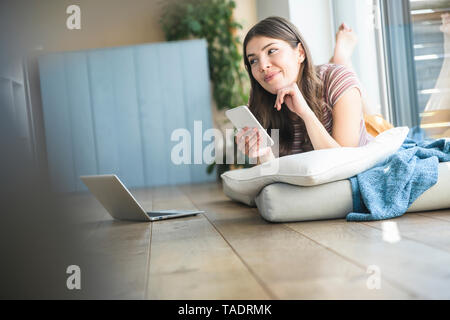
point(293, 98)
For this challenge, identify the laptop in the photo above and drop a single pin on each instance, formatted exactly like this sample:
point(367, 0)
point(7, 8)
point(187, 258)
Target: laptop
point(120, 203)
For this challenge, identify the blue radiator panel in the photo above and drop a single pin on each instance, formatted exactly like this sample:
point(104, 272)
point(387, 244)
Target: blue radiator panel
point(114, 110)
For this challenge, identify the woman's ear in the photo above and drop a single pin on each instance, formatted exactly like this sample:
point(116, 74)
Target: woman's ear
point(301, 53)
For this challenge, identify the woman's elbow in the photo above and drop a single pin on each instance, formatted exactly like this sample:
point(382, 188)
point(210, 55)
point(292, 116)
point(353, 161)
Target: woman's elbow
point(350, 142)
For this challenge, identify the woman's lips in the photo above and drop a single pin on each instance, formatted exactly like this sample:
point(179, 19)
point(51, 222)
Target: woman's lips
point(270, 76)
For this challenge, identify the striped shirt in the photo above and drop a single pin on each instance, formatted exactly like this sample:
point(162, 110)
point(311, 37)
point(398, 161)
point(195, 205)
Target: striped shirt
point(337, 80)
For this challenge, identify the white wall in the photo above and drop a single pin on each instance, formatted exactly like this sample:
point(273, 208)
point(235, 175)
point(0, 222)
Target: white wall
point(267, 8)
point(314, 20)
point(358, 14)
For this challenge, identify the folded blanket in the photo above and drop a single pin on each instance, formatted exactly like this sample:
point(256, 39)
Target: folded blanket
point(388, 189)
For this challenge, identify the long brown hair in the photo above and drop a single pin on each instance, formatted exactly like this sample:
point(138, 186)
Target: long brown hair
point(261, 101)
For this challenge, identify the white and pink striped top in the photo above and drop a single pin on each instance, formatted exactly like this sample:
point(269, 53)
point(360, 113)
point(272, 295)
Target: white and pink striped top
point(337, 80)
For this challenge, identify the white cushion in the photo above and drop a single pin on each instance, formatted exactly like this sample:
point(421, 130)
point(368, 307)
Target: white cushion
point(281, 202)
point(240, 197)
point(312, 168)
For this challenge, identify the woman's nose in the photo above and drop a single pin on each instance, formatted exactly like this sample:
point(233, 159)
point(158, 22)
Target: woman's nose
point(264, 64)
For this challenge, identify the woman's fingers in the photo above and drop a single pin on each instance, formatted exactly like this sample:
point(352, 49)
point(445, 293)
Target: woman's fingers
point(280, 98)
point(254, 150)
point(241, 133)
point(255, 146)
point(240, 139)
point(258, 151)
point(250, 142)
point(254, 140)
point(241, 145)
point(245, 133)
point(278, 101)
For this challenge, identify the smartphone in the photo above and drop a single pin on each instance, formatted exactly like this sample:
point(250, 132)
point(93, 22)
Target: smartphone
point(242, 117)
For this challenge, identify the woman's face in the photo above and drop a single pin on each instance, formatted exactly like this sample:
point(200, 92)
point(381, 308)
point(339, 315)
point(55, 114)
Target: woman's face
point(274, 63)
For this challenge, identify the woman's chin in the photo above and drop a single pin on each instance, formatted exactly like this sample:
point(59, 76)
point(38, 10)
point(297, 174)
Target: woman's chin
point(272, 90)
point(272, 87)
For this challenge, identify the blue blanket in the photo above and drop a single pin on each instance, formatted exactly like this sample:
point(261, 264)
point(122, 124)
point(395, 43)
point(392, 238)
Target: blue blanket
point(388, 189)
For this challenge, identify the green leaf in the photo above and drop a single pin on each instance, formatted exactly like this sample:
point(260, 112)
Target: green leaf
point(212, 20)
point(210, 168)
point(195, 26)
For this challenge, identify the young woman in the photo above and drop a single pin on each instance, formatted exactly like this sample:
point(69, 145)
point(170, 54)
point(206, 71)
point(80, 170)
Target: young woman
point(314, 107)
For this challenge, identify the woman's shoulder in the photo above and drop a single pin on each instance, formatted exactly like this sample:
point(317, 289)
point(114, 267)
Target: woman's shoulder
point(327, 70)
point(337, 79)
point(325, 66)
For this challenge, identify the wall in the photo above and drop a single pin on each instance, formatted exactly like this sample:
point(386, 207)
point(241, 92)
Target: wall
point(104, 23)
point(314, 21)
point(40, 26)
point(312, 18)
point(116, 111)
point(359, 15)
point(246, 14)
point(267, 8)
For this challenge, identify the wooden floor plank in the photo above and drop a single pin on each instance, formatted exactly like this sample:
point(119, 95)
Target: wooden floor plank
point(116, 251)
point(416, 267)
point(83, 209)
point(290, 265)
point(424, 229)
point(232, 253)
point(439, 214)
point(189, 259)
point(120, 251)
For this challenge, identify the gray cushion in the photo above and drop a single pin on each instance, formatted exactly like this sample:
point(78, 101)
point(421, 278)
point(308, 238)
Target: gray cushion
point(281, 202)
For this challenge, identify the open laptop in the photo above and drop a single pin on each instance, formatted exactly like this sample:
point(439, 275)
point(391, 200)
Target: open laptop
point(120, 203)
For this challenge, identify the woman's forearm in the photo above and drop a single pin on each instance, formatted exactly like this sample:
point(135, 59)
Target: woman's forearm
point(319, 136)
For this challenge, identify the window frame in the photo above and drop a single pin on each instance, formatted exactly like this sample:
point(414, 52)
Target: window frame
point(400, 72)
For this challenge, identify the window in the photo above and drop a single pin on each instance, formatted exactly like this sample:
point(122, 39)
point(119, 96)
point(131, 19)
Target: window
point(417, 64)
point(430, 21)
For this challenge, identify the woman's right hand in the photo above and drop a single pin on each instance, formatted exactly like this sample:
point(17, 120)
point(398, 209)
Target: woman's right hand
point(249, 141)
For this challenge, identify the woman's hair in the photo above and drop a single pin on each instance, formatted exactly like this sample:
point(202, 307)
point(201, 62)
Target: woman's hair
point(261, 101)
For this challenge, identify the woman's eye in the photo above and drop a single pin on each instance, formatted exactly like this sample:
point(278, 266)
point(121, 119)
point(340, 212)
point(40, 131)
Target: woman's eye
point(270, 51)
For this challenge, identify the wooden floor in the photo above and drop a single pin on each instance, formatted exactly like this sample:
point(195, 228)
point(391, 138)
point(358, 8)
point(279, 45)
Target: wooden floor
point(230, 252)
